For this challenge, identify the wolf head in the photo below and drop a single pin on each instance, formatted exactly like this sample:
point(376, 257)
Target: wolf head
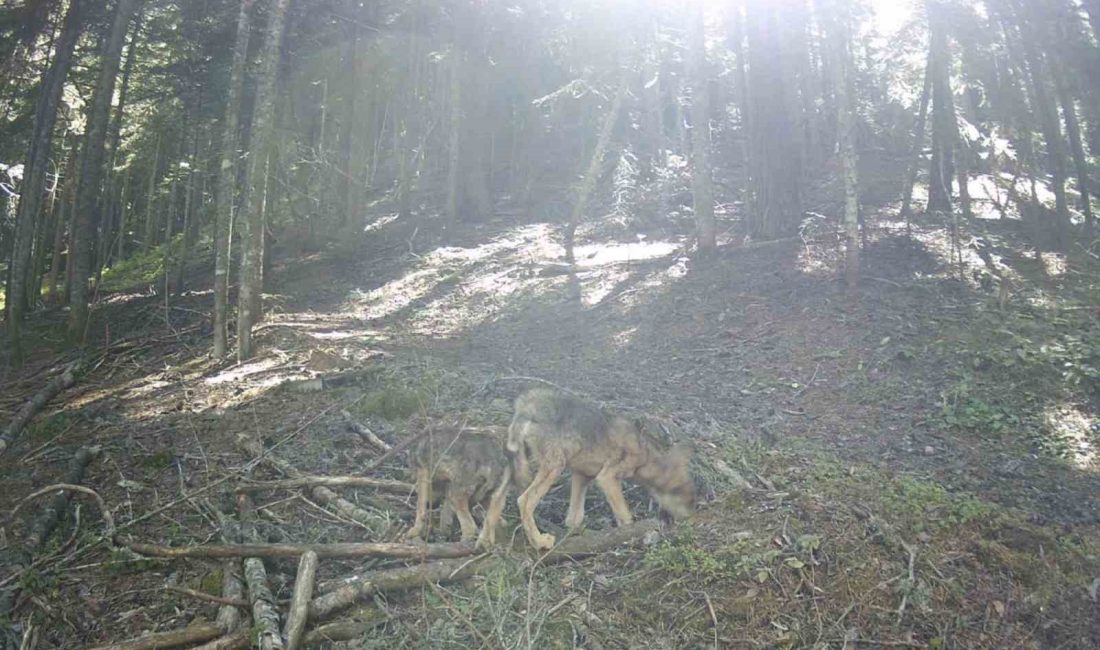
point(671, 484)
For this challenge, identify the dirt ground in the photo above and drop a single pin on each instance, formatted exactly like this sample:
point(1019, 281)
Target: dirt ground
point(918, 470)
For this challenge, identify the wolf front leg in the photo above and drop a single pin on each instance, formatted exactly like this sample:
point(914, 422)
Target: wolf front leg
point(549, 471)
point(578, 488)
point(494, 512)
point(608, 480)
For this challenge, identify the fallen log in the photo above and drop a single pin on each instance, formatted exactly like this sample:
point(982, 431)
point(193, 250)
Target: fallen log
point(265, 617)
point(343, 630)
point(238, 640)
point(366, 434)
point(398, 550)
point(326, 496)
point(51, 390)
point(198, 633)
point(387, 485)
point(462, 568)
point(229, 615)
point(298, 613)
point(43, 525)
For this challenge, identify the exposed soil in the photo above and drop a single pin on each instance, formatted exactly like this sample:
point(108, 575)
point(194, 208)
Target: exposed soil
point(921, 468)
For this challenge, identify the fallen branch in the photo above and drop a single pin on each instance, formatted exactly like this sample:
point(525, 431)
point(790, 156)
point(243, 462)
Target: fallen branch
point(51, 390)
point(197, 633)
point(238, 640)
point(462, 568)
point(265, 618)
point(299, 605)
point(326, 496)
point(365, 433)
point(387, 485)
point(396, 449)
point(317, 384)
point(229, 615)
point(406, 551)
point(210, 598)
point(107, 519)
point(344, 630)
point(43, 525)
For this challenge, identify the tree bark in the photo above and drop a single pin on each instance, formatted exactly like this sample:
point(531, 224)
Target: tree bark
point(116, 194)
point(944, 127)
point(917, 152)
point(149, 228)
point(595, 164)
point(774, 165)
point(90, 187)
point(34, 175)
point(846, 138)
point(265, 615)
point(1046, 107)
point(64, 208)
point(263, 125)
point(298, 614)
point(701, 183)
point(226, 183)
point(1077, 147)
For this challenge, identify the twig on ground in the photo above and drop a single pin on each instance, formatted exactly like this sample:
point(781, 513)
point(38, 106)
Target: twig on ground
point(42, 526)
point(461, 568)
point(300, 481)
point(366, 434)
point(194, 634)
point(408, 551)
point(107, 519)
point(210, 598)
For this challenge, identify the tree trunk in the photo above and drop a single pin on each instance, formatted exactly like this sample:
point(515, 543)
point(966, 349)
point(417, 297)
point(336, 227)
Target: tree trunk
point(774, 168)
point(846, 137)
point(34, 175)
point(68, 195)
point(226, 183)
point(1077, 147)
point(114, 191)
point(701, 184)
point(263, 124)
point(1046, 107)
point(595, 164)
point(740, 75)
point(944, 127)
point(408, 122)
point(189, 216)
point(456, 119)
point(916, 154)
point(352, 90)
point(149, 228)
point(91, 169)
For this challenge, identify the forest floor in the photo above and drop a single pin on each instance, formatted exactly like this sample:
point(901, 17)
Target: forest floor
point(921, 470)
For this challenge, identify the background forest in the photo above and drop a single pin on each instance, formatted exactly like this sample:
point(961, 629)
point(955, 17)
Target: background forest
point(846, 248)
